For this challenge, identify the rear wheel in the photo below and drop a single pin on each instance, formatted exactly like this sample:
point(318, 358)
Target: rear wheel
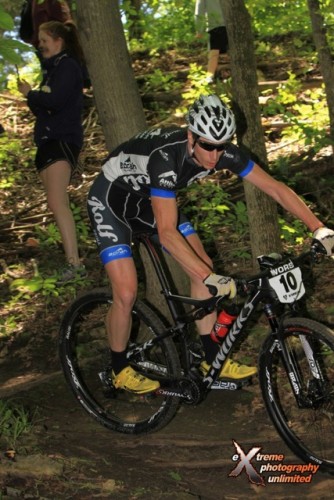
point(307, 426)
point(86, 362)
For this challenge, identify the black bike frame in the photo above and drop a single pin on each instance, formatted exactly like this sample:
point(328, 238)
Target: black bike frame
point(261, 293)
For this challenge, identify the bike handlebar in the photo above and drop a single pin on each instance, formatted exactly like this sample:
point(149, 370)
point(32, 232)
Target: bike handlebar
point(267, 262)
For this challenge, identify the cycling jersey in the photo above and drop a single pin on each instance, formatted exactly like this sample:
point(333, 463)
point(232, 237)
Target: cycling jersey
point(157, 161)
point(153, 163)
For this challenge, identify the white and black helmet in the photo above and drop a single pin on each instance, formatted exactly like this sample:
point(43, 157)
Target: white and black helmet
point(208, 117)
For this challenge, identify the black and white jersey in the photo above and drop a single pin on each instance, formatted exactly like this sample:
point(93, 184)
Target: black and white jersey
point(156, 162)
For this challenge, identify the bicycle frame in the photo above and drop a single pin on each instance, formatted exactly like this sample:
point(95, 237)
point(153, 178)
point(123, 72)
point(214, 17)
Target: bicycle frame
point(202, 307)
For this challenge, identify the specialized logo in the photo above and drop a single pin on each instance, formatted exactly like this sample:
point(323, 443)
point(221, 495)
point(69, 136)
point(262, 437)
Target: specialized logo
point(167, 179)
point(103, 230)
point(128, 165)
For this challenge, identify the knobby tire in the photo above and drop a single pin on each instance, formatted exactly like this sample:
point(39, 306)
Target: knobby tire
point(308, 431)
point(86, 362)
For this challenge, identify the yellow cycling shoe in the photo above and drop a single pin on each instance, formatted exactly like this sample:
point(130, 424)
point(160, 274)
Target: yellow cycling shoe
point(132, 381)
point(232, 370)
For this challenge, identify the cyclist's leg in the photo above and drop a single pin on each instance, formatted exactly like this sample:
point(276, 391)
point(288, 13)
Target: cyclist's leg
point(123, 278)
point(113, 235)
point(231, 369)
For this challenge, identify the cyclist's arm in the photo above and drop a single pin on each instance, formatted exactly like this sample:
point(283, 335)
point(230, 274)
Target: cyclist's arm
point(285, 196)
point(166, 215)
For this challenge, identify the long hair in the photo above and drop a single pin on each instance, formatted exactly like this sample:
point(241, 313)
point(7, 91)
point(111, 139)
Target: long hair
point(69, 34)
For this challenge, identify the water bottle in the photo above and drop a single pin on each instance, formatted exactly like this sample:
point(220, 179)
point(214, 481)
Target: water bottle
point(223, 323)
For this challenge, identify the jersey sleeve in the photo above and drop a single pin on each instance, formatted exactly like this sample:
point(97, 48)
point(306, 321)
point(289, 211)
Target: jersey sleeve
point(162, 173)
point(236, 160)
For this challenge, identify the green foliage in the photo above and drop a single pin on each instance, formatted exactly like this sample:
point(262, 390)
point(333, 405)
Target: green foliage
point(214, 211)
point(164, 24)
point(293, 233)
point(49, 234)
point(8, 325)
point(11, 49)
point(15, 421)
point(280, 16)
point(305, 111)
point(26, 287)
point(199, 84)
point(160, 81)
point(13, 161)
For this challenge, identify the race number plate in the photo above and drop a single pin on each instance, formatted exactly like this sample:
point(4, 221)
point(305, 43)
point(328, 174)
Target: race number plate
point(288, 284)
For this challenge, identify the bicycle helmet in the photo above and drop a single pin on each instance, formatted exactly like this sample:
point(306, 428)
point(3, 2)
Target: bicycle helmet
point(208, 117)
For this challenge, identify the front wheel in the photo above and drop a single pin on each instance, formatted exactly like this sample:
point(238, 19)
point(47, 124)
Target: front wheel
point(304, 421)
point(86, 362)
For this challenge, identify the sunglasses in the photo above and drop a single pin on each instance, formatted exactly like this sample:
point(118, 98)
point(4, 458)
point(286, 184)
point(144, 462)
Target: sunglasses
point(212, 147)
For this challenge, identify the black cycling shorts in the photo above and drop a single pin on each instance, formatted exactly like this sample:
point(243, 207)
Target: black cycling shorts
point(52, 151)
point(116, 214)
point(218, 39)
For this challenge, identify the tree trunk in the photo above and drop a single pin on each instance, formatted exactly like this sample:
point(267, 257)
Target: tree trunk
point(262, 210)
point(325, 57)
point(135, 28)
point(116, 93)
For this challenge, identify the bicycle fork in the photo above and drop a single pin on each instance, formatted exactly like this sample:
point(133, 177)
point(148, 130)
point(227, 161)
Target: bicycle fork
point(306, 384)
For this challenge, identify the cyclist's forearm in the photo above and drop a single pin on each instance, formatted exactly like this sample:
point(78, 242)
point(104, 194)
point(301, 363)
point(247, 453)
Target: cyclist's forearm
point(285, 196)
point(299, 209)
point(179, 249)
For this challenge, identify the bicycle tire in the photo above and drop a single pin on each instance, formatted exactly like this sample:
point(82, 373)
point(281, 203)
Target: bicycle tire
point(307, 431)
point(86, 362)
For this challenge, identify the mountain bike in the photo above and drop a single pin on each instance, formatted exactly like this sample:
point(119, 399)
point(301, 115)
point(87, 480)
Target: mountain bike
point(295, 363)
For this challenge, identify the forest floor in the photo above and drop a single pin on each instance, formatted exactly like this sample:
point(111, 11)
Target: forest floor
point(67, 455)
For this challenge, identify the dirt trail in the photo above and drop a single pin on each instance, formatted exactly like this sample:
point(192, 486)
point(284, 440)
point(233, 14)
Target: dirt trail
point(71, 456)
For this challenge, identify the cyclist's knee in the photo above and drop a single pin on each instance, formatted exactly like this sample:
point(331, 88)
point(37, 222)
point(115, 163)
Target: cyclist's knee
point(125, 298)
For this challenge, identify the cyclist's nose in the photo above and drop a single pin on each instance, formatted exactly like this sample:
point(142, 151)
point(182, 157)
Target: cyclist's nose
point(214, 155)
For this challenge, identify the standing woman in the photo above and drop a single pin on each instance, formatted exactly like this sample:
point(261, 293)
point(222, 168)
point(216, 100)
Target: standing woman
point(58, 133)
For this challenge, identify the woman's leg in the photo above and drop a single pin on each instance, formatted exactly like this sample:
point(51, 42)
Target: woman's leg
point(56, 179)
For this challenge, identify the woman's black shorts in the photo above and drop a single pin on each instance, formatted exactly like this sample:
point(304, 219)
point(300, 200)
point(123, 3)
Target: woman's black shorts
point(218, 39)
point(52, 151)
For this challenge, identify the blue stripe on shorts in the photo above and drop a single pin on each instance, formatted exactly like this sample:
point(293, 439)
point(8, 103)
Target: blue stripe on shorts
point(162, 193)
point(114, 253)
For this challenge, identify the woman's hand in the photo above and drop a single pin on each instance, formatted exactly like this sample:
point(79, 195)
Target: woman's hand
point(23, 87)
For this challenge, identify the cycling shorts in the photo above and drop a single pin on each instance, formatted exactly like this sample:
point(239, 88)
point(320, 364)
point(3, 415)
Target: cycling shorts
point(116, 215)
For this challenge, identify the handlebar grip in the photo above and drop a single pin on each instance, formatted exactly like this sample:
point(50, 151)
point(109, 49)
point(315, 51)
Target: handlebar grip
point(212, 289)
point(318, 247)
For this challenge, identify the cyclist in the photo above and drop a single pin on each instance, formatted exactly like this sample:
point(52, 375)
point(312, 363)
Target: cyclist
point(136, 190)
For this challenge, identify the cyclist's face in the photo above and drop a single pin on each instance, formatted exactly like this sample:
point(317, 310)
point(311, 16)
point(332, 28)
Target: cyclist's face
point(206, 153)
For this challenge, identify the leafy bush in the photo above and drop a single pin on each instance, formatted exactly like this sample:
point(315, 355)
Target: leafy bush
point(15, 421)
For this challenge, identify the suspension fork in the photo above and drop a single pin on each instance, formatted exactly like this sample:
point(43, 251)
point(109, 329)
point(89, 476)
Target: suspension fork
point(312, 361)
point(289, 363)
